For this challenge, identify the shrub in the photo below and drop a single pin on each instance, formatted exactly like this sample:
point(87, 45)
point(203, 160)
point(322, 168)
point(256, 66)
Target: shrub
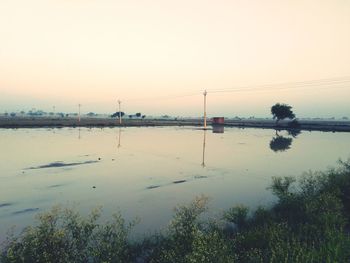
point(308, 223)
point(63, 235)
point(237, 215)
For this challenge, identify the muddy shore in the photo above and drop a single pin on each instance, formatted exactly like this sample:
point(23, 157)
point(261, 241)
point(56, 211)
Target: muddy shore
point(316, 125)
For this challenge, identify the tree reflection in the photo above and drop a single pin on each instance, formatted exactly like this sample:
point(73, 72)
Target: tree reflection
point(294, 132)
point(280, 143)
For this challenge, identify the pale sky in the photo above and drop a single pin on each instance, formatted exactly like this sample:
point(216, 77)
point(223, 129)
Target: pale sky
point(94, 52)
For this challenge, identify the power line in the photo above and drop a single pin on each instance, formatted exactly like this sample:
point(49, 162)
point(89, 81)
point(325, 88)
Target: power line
point(318, 81)
point(287, 85)
point(325, 83)
point(168, 97)
point(286, 88)
point(321, 84)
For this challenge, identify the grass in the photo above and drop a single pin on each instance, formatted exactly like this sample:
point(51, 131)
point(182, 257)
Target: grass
point(308, 223)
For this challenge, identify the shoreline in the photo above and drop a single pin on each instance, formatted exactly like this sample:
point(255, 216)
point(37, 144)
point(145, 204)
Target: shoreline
point(308, 125)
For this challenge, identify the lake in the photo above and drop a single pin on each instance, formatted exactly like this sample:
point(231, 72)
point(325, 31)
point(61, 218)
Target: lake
point(145, 172)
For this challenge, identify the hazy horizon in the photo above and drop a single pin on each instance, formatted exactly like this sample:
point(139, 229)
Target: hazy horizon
point(155, 56)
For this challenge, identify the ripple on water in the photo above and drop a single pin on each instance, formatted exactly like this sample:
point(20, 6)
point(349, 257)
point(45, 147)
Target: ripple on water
point(24, 211)
point(60, 164)
point(5, 204)
point(55, 185)
point(179, 181)
point(152, 186)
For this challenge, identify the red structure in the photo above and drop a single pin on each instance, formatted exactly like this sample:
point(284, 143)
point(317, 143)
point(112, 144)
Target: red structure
point(218, 121)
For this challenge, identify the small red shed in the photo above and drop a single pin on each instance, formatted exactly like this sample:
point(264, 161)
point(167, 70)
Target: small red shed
point(218, 121)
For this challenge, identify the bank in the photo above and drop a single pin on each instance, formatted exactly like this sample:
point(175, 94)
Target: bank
point(43, 122)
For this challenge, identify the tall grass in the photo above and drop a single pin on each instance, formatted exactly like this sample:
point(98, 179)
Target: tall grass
point(308, 223)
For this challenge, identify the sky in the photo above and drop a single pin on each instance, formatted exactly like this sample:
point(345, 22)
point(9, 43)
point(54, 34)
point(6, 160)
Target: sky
point(158, 56)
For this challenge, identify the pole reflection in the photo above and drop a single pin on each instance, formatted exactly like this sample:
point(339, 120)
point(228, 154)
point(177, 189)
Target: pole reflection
point(204, 140)
point(119, 137)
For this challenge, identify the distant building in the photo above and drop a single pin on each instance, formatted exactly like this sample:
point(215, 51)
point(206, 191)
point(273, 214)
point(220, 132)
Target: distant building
point(218, 121)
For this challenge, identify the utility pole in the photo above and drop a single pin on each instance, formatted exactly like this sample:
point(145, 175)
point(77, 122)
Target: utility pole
point(120, 113)
point(79, 105)
point(54, 108)
point(205, 109)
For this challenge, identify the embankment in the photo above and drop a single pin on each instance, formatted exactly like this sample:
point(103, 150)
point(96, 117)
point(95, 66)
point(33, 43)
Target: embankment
point(312, 125)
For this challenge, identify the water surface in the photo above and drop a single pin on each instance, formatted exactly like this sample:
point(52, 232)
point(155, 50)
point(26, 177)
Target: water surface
point(145, 172)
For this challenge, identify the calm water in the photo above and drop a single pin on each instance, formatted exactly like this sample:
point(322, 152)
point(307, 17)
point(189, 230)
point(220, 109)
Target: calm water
point(145, 172)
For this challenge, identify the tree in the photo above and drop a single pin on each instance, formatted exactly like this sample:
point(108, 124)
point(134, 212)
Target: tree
point(117, 114)
point(281, 112)
point(91, 114)
point(138, 115)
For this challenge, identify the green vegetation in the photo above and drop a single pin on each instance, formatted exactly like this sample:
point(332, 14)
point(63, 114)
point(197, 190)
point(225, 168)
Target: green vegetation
point(281, 112)
point(308, 223)
point(117, 114)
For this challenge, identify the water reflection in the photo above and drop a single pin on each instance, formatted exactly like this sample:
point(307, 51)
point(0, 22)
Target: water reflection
point(280, 143)
point(218, 129)
point(238, 166)
point(119, 137)
point(203, 156)
point(294, 132)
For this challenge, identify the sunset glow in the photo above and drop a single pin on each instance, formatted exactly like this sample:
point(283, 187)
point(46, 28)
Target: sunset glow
point(93, 52)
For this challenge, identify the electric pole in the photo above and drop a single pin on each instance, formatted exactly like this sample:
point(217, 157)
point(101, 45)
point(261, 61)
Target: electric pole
point(79, 105)
point(205, 109)
point(120, 113)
